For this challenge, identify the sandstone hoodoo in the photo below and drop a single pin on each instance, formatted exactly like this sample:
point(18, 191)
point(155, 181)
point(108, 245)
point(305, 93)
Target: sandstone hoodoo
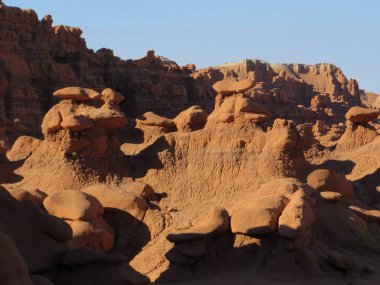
point(146, 172)
point(362, 115)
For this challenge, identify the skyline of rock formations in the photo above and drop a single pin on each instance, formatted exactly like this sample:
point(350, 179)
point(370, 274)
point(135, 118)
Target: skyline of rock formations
point(37, 58)
point(144, 172)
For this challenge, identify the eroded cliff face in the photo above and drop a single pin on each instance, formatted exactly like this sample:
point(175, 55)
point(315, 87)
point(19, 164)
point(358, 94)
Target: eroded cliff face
point(294, 91)
point(37, 58)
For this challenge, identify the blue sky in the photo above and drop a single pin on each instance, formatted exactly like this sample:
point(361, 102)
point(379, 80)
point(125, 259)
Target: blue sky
point(212, 32)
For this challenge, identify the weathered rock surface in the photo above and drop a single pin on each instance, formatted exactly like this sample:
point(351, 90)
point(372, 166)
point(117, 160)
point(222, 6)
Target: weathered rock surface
point(73, 205)
point(270, 127)
point(114, 199)
point(228, 87)
point(297, 216)
point(328, 180)
point(260, 218)
point(22, 148)
point(362, 115)
point(215, 222)
point(96, 234)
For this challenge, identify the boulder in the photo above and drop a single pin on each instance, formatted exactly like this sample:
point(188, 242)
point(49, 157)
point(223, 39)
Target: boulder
point(96, 234)
point(328, 180)
point(297, 216)
point(246, 105)
point(77, 93)
point(228, 86)
point(116, 200)
point(73, 205)
point(215, 222)
point(108, 117)
point(151, 119)
point(111, 96)
point(77, 123)
point(22, 148)
point(260, 218)
point(362, 115)
point(193, 118)
point(52, 121)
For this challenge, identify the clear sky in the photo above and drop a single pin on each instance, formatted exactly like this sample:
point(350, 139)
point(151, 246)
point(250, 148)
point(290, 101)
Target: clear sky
point(212, 32)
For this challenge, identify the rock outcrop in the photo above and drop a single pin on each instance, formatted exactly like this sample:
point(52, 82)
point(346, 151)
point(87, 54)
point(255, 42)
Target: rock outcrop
point(37, 58)
point(127, 178)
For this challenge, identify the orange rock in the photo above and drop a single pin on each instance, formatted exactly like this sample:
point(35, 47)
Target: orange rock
point(215, 222)
point(328, 180)
point(260, 218)
point(297, 216)
point(52, 121)
point(228, 87)
point(77, 94)
point(193, 118)
point(116, 200)
point(22, 148)
point(96, 234)
point(151, 119)
point(112, 96)
point(76, 123)
point(73, 205)
point(362, 115)
point(107, 117)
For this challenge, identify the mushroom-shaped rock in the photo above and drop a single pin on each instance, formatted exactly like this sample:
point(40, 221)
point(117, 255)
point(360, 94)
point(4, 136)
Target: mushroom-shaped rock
point(111, 96)
point(85, 256)
point(328, 180)
point(77, 123)
point(228, 86)
point(260, 218)
point(73, 205)
point(193, 118)
point(52, 121)
point(362, 115)
point(117, 200)
point(297, 216)
point(96, 234)
point(22, 148)
point(36, 196)
point(13, 270)
point(151, 119)
point(77, 93)
point(216, 222)
point(109, 118)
